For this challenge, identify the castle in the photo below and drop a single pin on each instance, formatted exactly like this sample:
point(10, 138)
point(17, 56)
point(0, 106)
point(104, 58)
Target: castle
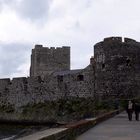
point(113, 72)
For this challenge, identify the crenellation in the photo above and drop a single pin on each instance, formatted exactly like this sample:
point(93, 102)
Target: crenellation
point(52, 48)
point(66, 47)
point(4, 83)
point(92, 60)
point(19, 79)
point(38, 46)
point(113, 39)
point(5, 80)
point(58, 48)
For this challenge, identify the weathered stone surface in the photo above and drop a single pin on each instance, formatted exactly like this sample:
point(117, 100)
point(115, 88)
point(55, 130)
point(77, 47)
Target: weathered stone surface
point(47, 60)
point(112, 72)
point(117, 68)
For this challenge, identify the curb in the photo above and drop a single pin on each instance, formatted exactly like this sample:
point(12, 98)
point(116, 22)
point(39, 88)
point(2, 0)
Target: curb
point(76, 129)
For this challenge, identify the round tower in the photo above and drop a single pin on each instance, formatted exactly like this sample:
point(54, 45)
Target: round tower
point(117, 68)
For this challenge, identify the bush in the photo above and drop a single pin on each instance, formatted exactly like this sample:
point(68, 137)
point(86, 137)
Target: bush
point(7, 108)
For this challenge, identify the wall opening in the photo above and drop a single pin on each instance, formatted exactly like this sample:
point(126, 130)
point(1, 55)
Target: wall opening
point(60, 78)
point(128, 62)
point(103, 66)
point(80, 77)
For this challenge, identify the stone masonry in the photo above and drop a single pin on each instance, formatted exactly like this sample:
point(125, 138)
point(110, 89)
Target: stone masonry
point(47, 60)
point(117, 68)
point(113, 72)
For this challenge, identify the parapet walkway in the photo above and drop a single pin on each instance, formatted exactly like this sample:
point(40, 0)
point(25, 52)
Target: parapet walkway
point(116, 128)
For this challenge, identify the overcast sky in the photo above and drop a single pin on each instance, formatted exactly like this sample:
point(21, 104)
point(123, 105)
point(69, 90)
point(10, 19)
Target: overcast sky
point(76, 23)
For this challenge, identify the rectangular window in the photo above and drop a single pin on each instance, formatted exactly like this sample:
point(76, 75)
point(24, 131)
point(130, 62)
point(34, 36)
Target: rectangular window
point(80, 78)
point(60, 78)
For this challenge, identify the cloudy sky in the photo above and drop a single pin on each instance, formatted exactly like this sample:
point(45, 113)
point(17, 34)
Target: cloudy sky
point(76, 23)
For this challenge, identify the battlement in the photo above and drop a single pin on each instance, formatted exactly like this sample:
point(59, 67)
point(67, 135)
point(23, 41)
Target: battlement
point(7, 81)
point(42, 49)
point(119, 39)
point(92, 60)
point(4, 83)
point(38, 46)
point(19, 80)
point(113, 39)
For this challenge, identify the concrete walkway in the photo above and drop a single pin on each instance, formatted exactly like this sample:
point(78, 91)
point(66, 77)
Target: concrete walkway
point(117, 128)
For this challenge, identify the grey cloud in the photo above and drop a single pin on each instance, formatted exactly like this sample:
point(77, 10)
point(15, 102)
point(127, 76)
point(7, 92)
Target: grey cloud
point(2, 2)
point(33, 9)
point(12, 56)
point(6, 2)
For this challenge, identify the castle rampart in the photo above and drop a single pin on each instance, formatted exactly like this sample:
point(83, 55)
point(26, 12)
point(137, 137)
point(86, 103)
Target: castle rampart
point(112, 72)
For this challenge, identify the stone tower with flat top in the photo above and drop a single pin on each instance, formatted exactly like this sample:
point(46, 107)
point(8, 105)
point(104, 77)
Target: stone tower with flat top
point(46, 60)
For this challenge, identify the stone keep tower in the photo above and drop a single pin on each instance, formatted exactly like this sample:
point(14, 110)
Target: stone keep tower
point(47, 60)
point(117, 68)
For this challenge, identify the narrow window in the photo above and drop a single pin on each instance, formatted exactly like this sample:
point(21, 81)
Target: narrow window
point(60, 78)
point(128, 62)
point(39, 79)
point(103, 66)
point(80, 78)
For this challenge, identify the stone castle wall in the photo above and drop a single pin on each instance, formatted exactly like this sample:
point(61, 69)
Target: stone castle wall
point(22, 91)
point(68, 84)
point(112, 72)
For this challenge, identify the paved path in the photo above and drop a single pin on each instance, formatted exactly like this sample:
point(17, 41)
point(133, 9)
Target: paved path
point(117, 128)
